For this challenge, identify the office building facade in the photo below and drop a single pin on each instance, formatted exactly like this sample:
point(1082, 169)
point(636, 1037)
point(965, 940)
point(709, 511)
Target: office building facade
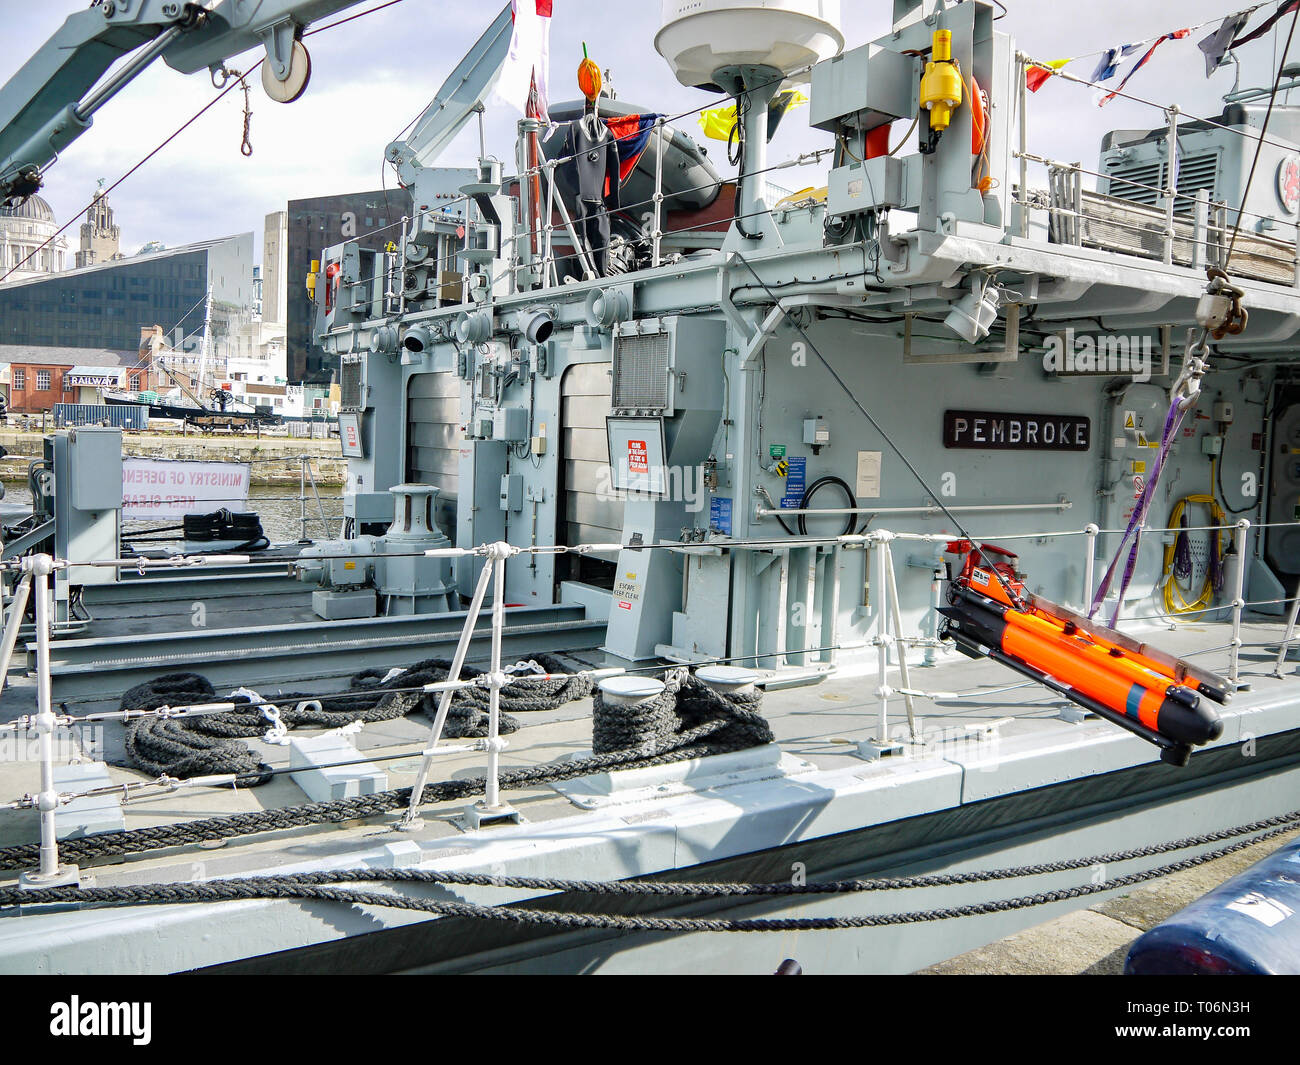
point(106, 305)
point(373, 219)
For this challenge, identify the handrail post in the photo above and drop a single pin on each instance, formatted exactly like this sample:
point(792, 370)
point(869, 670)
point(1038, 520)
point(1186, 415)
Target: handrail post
point(1089, 565)
point(320, 506)
point(1171, 185)
point(13, 623)
point(1022, 68)
point(548, 260)
point(410, 819)
point(897, 621)
point(880, 744)
point(302, 494)
point(491, 809)
point(49, 873)
point(657, 235)
point(1238, 600)
point(1289, 634)
point(401, 265)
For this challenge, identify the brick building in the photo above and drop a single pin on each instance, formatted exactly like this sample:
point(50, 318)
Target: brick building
point(40, 377)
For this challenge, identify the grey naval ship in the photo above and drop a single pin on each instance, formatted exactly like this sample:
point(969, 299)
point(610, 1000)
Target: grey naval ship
point(851, 576)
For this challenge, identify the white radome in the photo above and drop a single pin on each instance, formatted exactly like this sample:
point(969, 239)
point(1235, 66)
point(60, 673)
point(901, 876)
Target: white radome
point(699, 37)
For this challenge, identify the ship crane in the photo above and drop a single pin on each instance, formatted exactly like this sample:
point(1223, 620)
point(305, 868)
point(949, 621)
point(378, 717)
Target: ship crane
point(54, 96)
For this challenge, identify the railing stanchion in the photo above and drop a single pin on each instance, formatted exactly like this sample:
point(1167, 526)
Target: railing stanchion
point(411, 818)
point(897, 621)
point(1022, 70)
point(1089, 565)
point(1238, 599)
point(302, 496)
point(13, 623)
point(657, 236)
point(491, 809)
point(1289, 635)
point(49, 872)
point(1171, 185)
point(883, 690)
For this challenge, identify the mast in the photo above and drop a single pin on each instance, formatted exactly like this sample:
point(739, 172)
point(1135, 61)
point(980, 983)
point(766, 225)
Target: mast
point(203, 347)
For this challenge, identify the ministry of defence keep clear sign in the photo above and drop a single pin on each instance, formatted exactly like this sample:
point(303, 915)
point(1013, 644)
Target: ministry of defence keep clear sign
point(170, 488)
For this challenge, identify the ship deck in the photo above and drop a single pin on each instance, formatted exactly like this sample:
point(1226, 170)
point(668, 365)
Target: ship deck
point(999, 778)
point(974, 708)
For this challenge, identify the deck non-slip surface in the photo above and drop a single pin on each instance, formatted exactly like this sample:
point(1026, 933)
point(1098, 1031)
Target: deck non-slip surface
point(823, 723)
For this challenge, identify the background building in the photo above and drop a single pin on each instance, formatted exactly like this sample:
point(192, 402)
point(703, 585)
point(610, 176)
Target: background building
point(25, 228)
point(370, 218)
point(41, 376)
point(100, 239)
point(275, 269)
point(106, 305)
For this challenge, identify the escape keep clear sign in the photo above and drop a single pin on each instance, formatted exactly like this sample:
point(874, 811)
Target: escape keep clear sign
point(170, 488)
point(638, 457)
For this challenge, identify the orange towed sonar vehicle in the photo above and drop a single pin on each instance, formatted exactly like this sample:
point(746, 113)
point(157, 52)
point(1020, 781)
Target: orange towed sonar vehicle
point(1165, 700)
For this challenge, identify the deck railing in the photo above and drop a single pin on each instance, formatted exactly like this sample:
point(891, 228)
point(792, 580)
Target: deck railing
point(34, 572)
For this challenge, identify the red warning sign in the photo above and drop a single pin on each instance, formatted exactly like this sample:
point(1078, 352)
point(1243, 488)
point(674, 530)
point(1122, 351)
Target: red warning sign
point(638, 457)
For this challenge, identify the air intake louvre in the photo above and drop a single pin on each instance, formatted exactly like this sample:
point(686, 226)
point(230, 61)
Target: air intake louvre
point(641, 372)
point(1141, 182)
point(350, 385)
point(1195, 173)
point(1138, 182)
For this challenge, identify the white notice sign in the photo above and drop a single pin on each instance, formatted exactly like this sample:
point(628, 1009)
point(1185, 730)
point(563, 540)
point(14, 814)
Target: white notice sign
point(868, 486)
point(168, 488)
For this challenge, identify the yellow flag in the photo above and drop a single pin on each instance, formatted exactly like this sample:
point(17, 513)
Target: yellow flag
point(718, 122)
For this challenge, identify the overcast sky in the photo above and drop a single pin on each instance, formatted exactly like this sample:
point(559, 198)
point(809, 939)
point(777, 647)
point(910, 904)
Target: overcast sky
point(372, 76)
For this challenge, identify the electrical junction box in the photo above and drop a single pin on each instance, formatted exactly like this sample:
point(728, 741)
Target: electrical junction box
point(368, 508)
point(1223, 412)
point(96, 468)
point(1212, 445)
point(882, 182)
point(816, 433)
point(512, 492)
point(344, 572)
point(510, 424)
point(863, 88)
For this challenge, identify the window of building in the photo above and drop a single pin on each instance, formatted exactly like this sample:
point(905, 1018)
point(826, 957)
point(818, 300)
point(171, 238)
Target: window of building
point(20, 379)
point(42, 380)
point(135, 382)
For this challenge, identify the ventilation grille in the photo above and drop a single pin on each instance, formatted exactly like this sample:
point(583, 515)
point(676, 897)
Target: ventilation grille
point(641, 372)
point(1197, 172)
point(350, 385)
point(1141, 182)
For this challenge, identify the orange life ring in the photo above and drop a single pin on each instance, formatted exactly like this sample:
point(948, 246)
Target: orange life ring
point(979, 118)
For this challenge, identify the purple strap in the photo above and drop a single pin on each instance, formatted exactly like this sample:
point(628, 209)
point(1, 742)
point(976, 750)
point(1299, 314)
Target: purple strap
point(1173, 422)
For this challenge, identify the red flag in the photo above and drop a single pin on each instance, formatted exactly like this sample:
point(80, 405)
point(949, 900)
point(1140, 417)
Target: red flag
point(1038, 75)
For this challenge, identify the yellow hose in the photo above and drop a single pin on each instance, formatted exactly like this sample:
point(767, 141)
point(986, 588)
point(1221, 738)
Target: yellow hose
point(1175, 603)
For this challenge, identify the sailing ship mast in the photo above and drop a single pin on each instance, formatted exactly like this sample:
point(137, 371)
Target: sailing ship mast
point(203, 347)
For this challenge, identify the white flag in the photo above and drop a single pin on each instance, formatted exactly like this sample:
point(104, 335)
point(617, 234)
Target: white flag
point(529, 59)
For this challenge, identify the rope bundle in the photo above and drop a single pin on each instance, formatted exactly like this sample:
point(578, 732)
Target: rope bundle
point(684, 704)
point(211, 745)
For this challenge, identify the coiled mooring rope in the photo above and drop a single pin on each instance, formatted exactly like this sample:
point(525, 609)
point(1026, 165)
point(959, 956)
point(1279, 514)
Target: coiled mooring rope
point(210, 745)
point(684, 703)
point(731, 727)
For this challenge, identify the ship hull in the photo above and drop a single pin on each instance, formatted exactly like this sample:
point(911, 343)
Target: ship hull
point(1136, 807)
